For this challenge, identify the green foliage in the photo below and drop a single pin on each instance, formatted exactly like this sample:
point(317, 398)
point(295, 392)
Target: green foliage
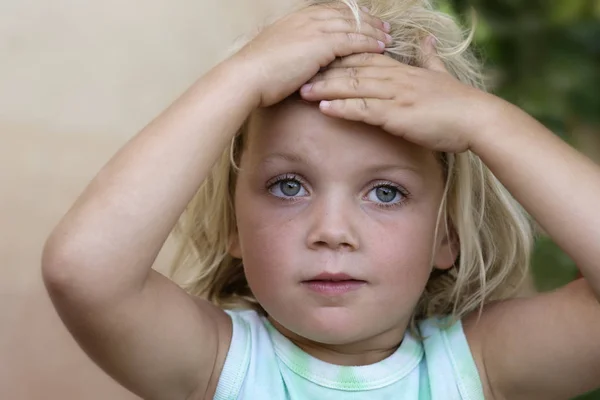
point(550, 266)
point(544, 56)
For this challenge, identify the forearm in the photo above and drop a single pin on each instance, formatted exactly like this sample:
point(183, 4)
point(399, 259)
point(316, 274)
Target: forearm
point(556, 184)
point(118, 225)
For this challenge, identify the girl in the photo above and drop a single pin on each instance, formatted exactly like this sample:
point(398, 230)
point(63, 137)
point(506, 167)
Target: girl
point(344, 219)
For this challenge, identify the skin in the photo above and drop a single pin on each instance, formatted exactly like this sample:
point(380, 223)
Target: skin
point(545, 347)
point(336, 223)
point(97, 262)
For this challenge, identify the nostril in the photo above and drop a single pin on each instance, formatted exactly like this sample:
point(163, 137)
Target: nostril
point(326, 234)
point(333, 245)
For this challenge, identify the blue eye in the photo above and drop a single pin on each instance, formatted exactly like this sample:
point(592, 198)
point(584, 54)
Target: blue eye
point(287, 188)
point(385, 195)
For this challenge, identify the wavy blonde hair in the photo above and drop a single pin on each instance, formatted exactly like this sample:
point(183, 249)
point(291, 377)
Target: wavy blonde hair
point(493, 231)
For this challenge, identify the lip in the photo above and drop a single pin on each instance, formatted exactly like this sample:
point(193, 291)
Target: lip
point(333, 284)
point(328, 276)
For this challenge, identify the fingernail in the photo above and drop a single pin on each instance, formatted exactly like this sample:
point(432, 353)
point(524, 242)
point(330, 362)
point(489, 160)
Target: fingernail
point(325, 104)
point(365, 9)
point(433, 41)
point(387, 26)
point(388, 38)
point(381, 44)
point(306, 88)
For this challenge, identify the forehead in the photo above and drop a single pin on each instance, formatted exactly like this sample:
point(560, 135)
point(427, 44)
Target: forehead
point(297, 128)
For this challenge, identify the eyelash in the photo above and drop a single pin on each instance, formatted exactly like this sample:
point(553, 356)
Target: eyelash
point(401, 190)
point(282, 178)
point(298, 178)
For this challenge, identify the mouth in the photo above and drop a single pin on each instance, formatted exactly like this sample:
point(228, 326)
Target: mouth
point(333, 284)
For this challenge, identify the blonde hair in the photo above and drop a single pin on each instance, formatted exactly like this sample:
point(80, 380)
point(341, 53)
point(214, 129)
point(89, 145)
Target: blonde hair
point(493, 231)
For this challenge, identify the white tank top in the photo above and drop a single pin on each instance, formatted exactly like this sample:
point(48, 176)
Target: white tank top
point(262, 364)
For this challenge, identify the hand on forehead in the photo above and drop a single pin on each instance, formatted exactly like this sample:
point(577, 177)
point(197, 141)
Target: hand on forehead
point(298, 130)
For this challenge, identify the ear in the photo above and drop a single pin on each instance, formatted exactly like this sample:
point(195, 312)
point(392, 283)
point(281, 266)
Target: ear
point(234, 247)
point(447, 250)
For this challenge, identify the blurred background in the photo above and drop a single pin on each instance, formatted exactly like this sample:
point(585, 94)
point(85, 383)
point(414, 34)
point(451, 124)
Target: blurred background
point(77, 79)
point(544, 56)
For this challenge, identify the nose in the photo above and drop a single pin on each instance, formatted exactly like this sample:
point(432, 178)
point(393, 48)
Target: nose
point(333, 225)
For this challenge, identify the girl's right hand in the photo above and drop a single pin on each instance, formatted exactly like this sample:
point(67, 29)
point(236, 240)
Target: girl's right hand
point(288, 53)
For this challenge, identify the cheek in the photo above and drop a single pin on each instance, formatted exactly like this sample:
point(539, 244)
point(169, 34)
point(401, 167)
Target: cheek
point(268, 238)
point(269, 249)
point(403, 253)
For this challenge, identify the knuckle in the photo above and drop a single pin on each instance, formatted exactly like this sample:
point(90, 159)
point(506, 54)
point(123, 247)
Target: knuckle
point(366, 57)
point(363, 105)
point(353, 72)
point(357, 37)
point(368, 40)
point(350, 24)
point(354, 83)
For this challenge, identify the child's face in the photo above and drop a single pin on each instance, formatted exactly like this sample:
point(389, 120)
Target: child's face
point(318, 195)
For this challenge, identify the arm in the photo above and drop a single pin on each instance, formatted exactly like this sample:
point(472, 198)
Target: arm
point(546, 347)
point(137, 325)
point(556, 184)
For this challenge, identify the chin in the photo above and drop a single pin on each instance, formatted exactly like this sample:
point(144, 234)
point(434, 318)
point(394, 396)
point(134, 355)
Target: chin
point(333, 325)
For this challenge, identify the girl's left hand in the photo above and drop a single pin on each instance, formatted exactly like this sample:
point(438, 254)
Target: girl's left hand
point(426, 106)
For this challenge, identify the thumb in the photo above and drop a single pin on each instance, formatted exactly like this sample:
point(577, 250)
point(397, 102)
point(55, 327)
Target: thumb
point(431, 60)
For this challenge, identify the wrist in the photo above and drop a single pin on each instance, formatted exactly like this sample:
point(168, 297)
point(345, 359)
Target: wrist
point(491, 113)
point(241, 74)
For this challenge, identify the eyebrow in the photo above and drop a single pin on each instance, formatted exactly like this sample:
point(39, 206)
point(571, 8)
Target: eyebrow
point(290, 157)
point(375, 168)
point(392, 167)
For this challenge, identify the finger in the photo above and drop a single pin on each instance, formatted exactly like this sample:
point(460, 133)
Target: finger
point(352, 72)
point(348, 26)
point(431, 59)
point(374, 21)
point(345, 44)
point(334, 11)
point(370, 111)
point(364, 60)
point(347, 88)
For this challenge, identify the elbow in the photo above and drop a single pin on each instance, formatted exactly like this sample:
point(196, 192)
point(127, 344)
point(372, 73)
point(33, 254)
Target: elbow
point(58, 267)
point(84, 273)
point(67, 273)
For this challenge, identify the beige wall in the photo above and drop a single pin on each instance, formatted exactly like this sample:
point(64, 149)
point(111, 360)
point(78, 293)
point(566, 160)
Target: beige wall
point(77, 79)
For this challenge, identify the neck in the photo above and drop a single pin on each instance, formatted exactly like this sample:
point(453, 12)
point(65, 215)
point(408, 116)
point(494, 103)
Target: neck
point(364, 352)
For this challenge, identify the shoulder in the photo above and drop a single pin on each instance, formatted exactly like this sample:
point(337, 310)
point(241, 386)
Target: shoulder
point(250, 352)
point(543, 346)
point(449, 358)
